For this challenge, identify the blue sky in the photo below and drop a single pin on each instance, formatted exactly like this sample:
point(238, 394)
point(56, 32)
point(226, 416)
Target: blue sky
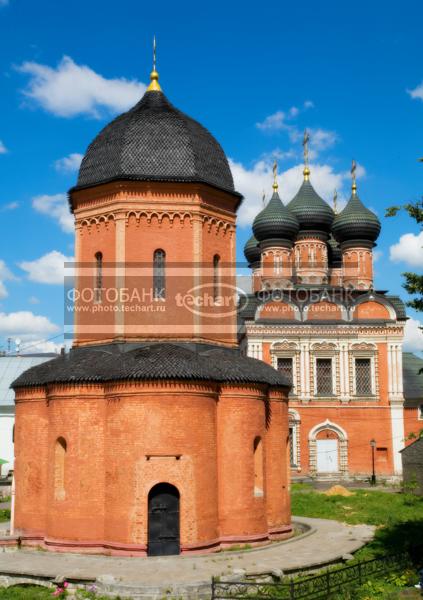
point(255, 75)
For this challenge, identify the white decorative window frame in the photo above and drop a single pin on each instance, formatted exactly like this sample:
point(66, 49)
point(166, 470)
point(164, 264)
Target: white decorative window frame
point(364, 350)
point(420, 412)
point(294, 421)
point(327, 350)
point(286, 349)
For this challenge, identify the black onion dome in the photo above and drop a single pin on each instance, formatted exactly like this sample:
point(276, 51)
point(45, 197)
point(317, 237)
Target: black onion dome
point(356, 222)
point(251, 250)
point(148, 362)
point(154, 141)
point(275, 222)
point(312, 212)
point(334, 253)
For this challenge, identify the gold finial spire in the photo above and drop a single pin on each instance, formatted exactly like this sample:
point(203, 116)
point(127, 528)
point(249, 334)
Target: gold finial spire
point(306, 139)
point(264, 198)
point(154, 76)
point(335, 202)
point(354, 177)
point(275, 176)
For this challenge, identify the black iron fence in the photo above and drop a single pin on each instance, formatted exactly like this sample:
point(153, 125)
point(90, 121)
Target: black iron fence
point(313, 587)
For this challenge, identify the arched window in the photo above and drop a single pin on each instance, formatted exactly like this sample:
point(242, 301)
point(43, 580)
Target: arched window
point(216, 277)
point(258, 467)
point(59, 468)
point(159, 274)
point(98, 281)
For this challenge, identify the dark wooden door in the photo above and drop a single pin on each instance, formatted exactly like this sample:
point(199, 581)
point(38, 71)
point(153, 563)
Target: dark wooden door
point(163, 520)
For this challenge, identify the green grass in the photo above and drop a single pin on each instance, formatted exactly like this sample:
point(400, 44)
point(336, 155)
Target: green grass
point(4, 515)
point(35, 592)
point(397, 516)
point(26, 593)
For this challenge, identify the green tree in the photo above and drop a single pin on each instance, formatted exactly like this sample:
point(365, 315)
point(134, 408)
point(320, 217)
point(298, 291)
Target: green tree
point(413, 281)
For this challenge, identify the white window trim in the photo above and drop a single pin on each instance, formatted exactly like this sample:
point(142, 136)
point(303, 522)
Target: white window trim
point(372, 373)
point(293, 357)
point(420, 412)
point(333, 367)
point(277, 264)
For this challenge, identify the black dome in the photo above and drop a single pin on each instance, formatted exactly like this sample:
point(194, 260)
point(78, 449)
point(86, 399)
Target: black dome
point(312, 212)
point(275, 222)
point(154, 141)
point(251, 250)
point(356, 222)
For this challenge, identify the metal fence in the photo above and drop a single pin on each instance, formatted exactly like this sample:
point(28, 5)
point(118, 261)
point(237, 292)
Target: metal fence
point(312, 587)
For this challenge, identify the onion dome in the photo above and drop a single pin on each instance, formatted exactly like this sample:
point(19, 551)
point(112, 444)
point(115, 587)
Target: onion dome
point(312, 212)
point(252, 251)
point(356, 222)
point(334, 253)
point(275, 222)
point(154, 141)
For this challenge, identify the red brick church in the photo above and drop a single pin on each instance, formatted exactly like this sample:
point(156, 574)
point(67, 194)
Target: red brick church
point(154, 435)
point(315, 316)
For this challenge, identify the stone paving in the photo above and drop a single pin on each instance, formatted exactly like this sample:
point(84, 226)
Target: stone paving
point(187, 576)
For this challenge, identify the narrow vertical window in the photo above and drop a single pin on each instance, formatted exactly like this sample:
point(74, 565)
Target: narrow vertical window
point(98, 282)
point(159, 274)
point(292, 441)
point(216, 277)
point(285, 367)
point(59, 468)
point(324, 383)
point(363, 377)
point(258, 467)
point(278, 265)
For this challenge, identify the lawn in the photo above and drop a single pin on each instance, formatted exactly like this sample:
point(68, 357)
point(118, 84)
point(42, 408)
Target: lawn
point(33, 592)
point(399, 521)
point(4, 515)
point(398, 517)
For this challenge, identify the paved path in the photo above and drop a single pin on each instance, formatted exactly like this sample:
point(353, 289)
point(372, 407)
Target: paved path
point(189, 576)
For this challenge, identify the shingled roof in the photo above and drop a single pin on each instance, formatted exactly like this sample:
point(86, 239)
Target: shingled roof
point(146, 362)
point(413, 379)
point(154, 141)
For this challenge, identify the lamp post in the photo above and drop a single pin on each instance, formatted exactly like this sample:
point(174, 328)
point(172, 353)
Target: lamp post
point(373, 446)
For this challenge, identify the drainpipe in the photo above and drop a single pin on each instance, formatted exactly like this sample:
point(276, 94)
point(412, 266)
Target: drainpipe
point(12, 508)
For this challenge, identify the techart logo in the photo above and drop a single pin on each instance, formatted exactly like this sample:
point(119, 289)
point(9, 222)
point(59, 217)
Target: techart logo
point(206, 301)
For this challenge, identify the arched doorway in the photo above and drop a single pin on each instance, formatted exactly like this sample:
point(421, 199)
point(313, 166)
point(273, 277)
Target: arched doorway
point(328, 444)
point(163, 520)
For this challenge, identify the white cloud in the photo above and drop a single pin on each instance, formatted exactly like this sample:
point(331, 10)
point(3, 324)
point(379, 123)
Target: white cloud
point(49, 268)
point(413, 340)
point(409, 250)
point(70, 89)
point(33, 300)
point(55, 206)
point(5, 275)
point(417, 93)
point(274, 122)
point(69, 164)
point(9, 206)
point(3, 148)
point(26, 325)
point(308, 104)
point(252, 182)
point(40, 346)
point(321, 139)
